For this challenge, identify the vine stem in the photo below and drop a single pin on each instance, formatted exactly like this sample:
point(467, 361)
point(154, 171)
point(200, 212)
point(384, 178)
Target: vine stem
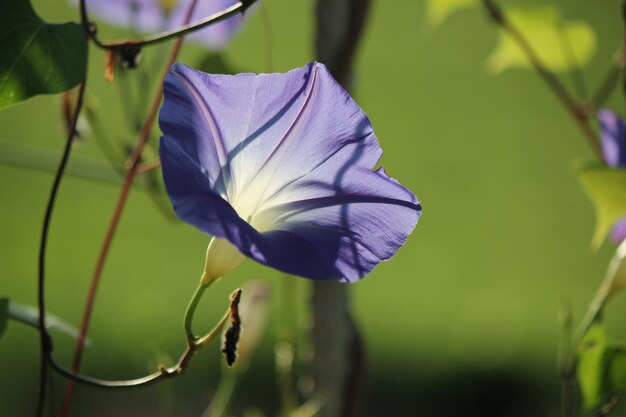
point(132, 165)
point(45, 341)
point(239, 7)
point(162, 373)
point(578, 113)
point(46, 345)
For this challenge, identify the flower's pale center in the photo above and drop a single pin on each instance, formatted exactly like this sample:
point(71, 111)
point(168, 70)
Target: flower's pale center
point(250, 202)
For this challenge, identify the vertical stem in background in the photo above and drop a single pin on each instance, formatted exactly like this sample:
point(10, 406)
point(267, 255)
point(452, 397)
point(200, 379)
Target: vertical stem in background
point(339, 27)
point(331, 338)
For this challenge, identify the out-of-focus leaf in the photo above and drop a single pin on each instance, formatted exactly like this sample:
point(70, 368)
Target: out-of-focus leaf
point(601, 366)
point(618, 368)
point(439, 10)
point(308, 409)
point(542, 27)
point(30, 315)
point(594, 358)
point(37, 58)
point(4, 315)
point(42, 159)
point(253, 412)
point(606, 187)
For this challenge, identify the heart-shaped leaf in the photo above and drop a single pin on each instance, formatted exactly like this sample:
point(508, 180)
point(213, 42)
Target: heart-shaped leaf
point(561, 45)
point(37, 57)
point(606, 187)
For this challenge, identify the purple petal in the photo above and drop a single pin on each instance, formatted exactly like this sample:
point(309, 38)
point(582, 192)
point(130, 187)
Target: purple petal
point(194, 201)
point(141, 15)
point(281, 166)
point(612, 131)
point(217, 35)
point(618, 234)
point(149, 16)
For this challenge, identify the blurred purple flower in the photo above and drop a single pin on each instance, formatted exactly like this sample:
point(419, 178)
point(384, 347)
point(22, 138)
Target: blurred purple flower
point(613, 143)
point(159, 15)
point(280, 166)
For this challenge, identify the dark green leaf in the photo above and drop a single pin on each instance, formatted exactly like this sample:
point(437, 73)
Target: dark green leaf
point(606, 187)
point(4, 315)
point(37, 58)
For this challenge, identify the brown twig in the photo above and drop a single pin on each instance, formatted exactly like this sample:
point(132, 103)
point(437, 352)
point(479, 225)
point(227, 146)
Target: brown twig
point(147, 167)
point(115, 219)
point(578, 112)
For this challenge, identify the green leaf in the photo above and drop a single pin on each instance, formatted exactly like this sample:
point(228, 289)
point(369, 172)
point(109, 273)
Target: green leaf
point(439, 10)
point(37, 58)
point(561, 46)
point(606, 187)
point(618, 369)
point(4, 315)
point(30, 315)
point(601, 366)
point(594, 358)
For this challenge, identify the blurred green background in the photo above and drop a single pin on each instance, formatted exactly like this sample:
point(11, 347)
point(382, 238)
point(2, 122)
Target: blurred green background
point(463, 321)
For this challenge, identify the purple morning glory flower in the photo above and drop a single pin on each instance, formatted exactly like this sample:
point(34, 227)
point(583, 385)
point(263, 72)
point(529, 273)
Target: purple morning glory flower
point(159, 15)
point(613, 143)
point(278, 167)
